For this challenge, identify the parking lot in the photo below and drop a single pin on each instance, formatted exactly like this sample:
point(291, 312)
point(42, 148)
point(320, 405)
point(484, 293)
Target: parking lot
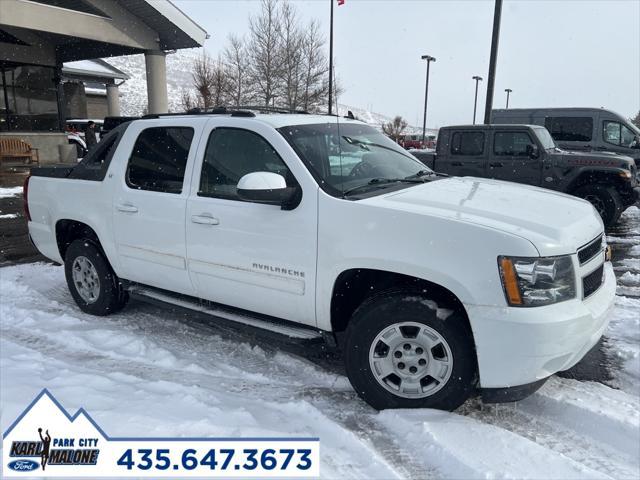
point(160, 371)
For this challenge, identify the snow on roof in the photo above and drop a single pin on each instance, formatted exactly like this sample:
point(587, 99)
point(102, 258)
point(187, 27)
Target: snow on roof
point(180, 20)
point(93, 68)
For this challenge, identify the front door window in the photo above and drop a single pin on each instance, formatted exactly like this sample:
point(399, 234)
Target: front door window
point(616, 133)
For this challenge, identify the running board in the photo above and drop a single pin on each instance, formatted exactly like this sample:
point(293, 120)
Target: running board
point(211, 309)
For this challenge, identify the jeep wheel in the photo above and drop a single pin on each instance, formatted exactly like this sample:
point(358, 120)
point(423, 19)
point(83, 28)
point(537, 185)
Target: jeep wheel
point(92, 283)
point(401, 353)
point(605, 200)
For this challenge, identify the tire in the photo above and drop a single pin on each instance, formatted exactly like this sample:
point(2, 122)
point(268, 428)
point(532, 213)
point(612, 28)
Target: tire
point(606, 201)
point(92, 283)
point(407, 313)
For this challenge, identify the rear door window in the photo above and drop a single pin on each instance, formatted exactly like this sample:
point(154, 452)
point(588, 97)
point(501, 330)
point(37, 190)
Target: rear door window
point(570, 129)
point(467, 143)
point(159, 159)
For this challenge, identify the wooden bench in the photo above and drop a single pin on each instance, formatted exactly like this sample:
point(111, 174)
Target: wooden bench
point(16, 153)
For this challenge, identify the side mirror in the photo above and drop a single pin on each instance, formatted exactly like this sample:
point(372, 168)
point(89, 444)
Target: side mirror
point(533, 151)
point(265, 187)
point(636, 143)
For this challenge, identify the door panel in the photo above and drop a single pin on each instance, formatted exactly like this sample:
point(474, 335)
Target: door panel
point(149, 207)
point(510, 160)
point(253, 256)
point(466, 154)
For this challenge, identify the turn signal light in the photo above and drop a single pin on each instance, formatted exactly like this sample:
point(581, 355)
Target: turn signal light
point(510, 281)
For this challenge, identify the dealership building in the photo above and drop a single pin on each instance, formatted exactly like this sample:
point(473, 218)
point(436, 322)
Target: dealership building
point(44, 48)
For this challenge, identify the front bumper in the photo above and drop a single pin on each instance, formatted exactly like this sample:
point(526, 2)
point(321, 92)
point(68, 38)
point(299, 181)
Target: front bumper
point(518, 346)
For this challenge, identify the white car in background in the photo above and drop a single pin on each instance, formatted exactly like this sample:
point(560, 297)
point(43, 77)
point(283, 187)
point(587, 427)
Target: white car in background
point(75, 133)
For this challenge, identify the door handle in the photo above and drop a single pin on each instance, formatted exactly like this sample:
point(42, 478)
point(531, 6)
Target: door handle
point(204, 219)
point(496, 164)
point(127, 208)
point(456, 164)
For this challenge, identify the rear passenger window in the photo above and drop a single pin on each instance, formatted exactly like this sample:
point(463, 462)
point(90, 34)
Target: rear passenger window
point(570, 129)
point(232, 153)
point(467, 143)
point(159, 159)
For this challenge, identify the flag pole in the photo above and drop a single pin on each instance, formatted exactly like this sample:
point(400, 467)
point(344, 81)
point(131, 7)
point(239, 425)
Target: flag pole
point(331, 59)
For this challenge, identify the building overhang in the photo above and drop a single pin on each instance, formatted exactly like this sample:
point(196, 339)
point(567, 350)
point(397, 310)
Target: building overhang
point(96, 70)
point(49, 34)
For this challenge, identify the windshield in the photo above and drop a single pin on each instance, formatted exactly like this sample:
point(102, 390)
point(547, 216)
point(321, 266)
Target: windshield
point(545, 138)
point(345, 157)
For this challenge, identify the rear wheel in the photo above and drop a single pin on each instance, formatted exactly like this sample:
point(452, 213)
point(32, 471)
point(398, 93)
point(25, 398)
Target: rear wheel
point(92, 283)
point(403, 351)
point(606, 201)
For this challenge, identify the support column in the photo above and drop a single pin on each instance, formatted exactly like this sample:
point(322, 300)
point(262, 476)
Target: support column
point(113, 100)
point(156, 81)
point(57, 79)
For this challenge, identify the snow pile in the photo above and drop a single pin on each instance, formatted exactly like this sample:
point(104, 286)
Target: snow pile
point(149, 371)
point(10, 192)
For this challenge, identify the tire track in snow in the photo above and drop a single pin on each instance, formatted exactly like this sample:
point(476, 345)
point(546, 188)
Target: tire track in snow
point(268, 395)
point(220, 356)
point(548, 430)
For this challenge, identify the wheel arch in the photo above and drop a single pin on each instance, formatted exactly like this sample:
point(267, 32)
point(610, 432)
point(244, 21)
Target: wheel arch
point(68, 230)
point(355, 285)
point(591, 177)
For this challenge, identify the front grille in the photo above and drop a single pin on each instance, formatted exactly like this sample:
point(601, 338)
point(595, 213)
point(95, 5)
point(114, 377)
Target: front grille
point(592, 282)
point(590, 250)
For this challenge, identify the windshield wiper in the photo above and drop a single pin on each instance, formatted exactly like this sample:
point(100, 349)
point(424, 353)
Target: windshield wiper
point(381, 181)
point(420, 174)
point(366, 145)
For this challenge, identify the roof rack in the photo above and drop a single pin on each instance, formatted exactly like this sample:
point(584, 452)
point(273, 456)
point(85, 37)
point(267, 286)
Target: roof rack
point(263, 109)
point(241, 111)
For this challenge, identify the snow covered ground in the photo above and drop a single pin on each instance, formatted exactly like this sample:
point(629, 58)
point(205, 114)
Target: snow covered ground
point(150, 371)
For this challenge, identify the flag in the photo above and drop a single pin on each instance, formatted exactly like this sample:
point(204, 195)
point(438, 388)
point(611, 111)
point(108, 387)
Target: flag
point(341, 2)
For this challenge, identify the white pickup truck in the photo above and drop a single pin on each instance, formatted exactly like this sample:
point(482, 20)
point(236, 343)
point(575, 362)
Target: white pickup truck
point(435, 287)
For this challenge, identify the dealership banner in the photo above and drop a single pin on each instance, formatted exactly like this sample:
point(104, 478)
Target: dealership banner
point(48, 442)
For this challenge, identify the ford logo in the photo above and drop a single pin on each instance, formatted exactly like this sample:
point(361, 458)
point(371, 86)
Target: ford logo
point(23, 465)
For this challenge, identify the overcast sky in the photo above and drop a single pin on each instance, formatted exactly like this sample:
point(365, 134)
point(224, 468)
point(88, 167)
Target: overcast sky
point(553, 53)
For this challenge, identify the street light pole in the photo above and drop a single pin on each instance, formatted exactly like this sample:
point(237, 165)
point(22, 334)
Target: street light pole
point(331, 60)
point(475, 101)
point(508, 90)
point(495, 37)
point(429, 59)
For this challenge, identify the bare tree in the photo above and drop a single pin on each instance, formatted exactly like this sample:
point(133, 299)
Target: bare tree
point(264, 52)
point(395, 128)
point(203, 80)
point(281, 63)
point(219, 84)
point(316, 69)
point(235, 56)
point(636, 120)
point(210, 81)
point(291, 44)
point(186, 100)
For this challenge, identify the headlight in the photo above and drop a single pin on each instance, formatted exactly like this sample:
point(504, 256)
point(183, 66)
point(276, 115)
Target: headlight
point(531, 282)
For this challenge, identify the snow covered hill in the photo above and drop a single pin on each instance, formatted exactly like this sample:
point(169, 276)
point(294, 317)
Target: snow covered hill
point(133, 99)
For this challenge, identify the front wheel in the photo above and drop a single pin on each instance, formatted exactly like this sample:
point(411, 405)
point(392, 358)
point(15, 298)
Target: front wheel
point(606, 201)
point(403, 351)
point(92, 283)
